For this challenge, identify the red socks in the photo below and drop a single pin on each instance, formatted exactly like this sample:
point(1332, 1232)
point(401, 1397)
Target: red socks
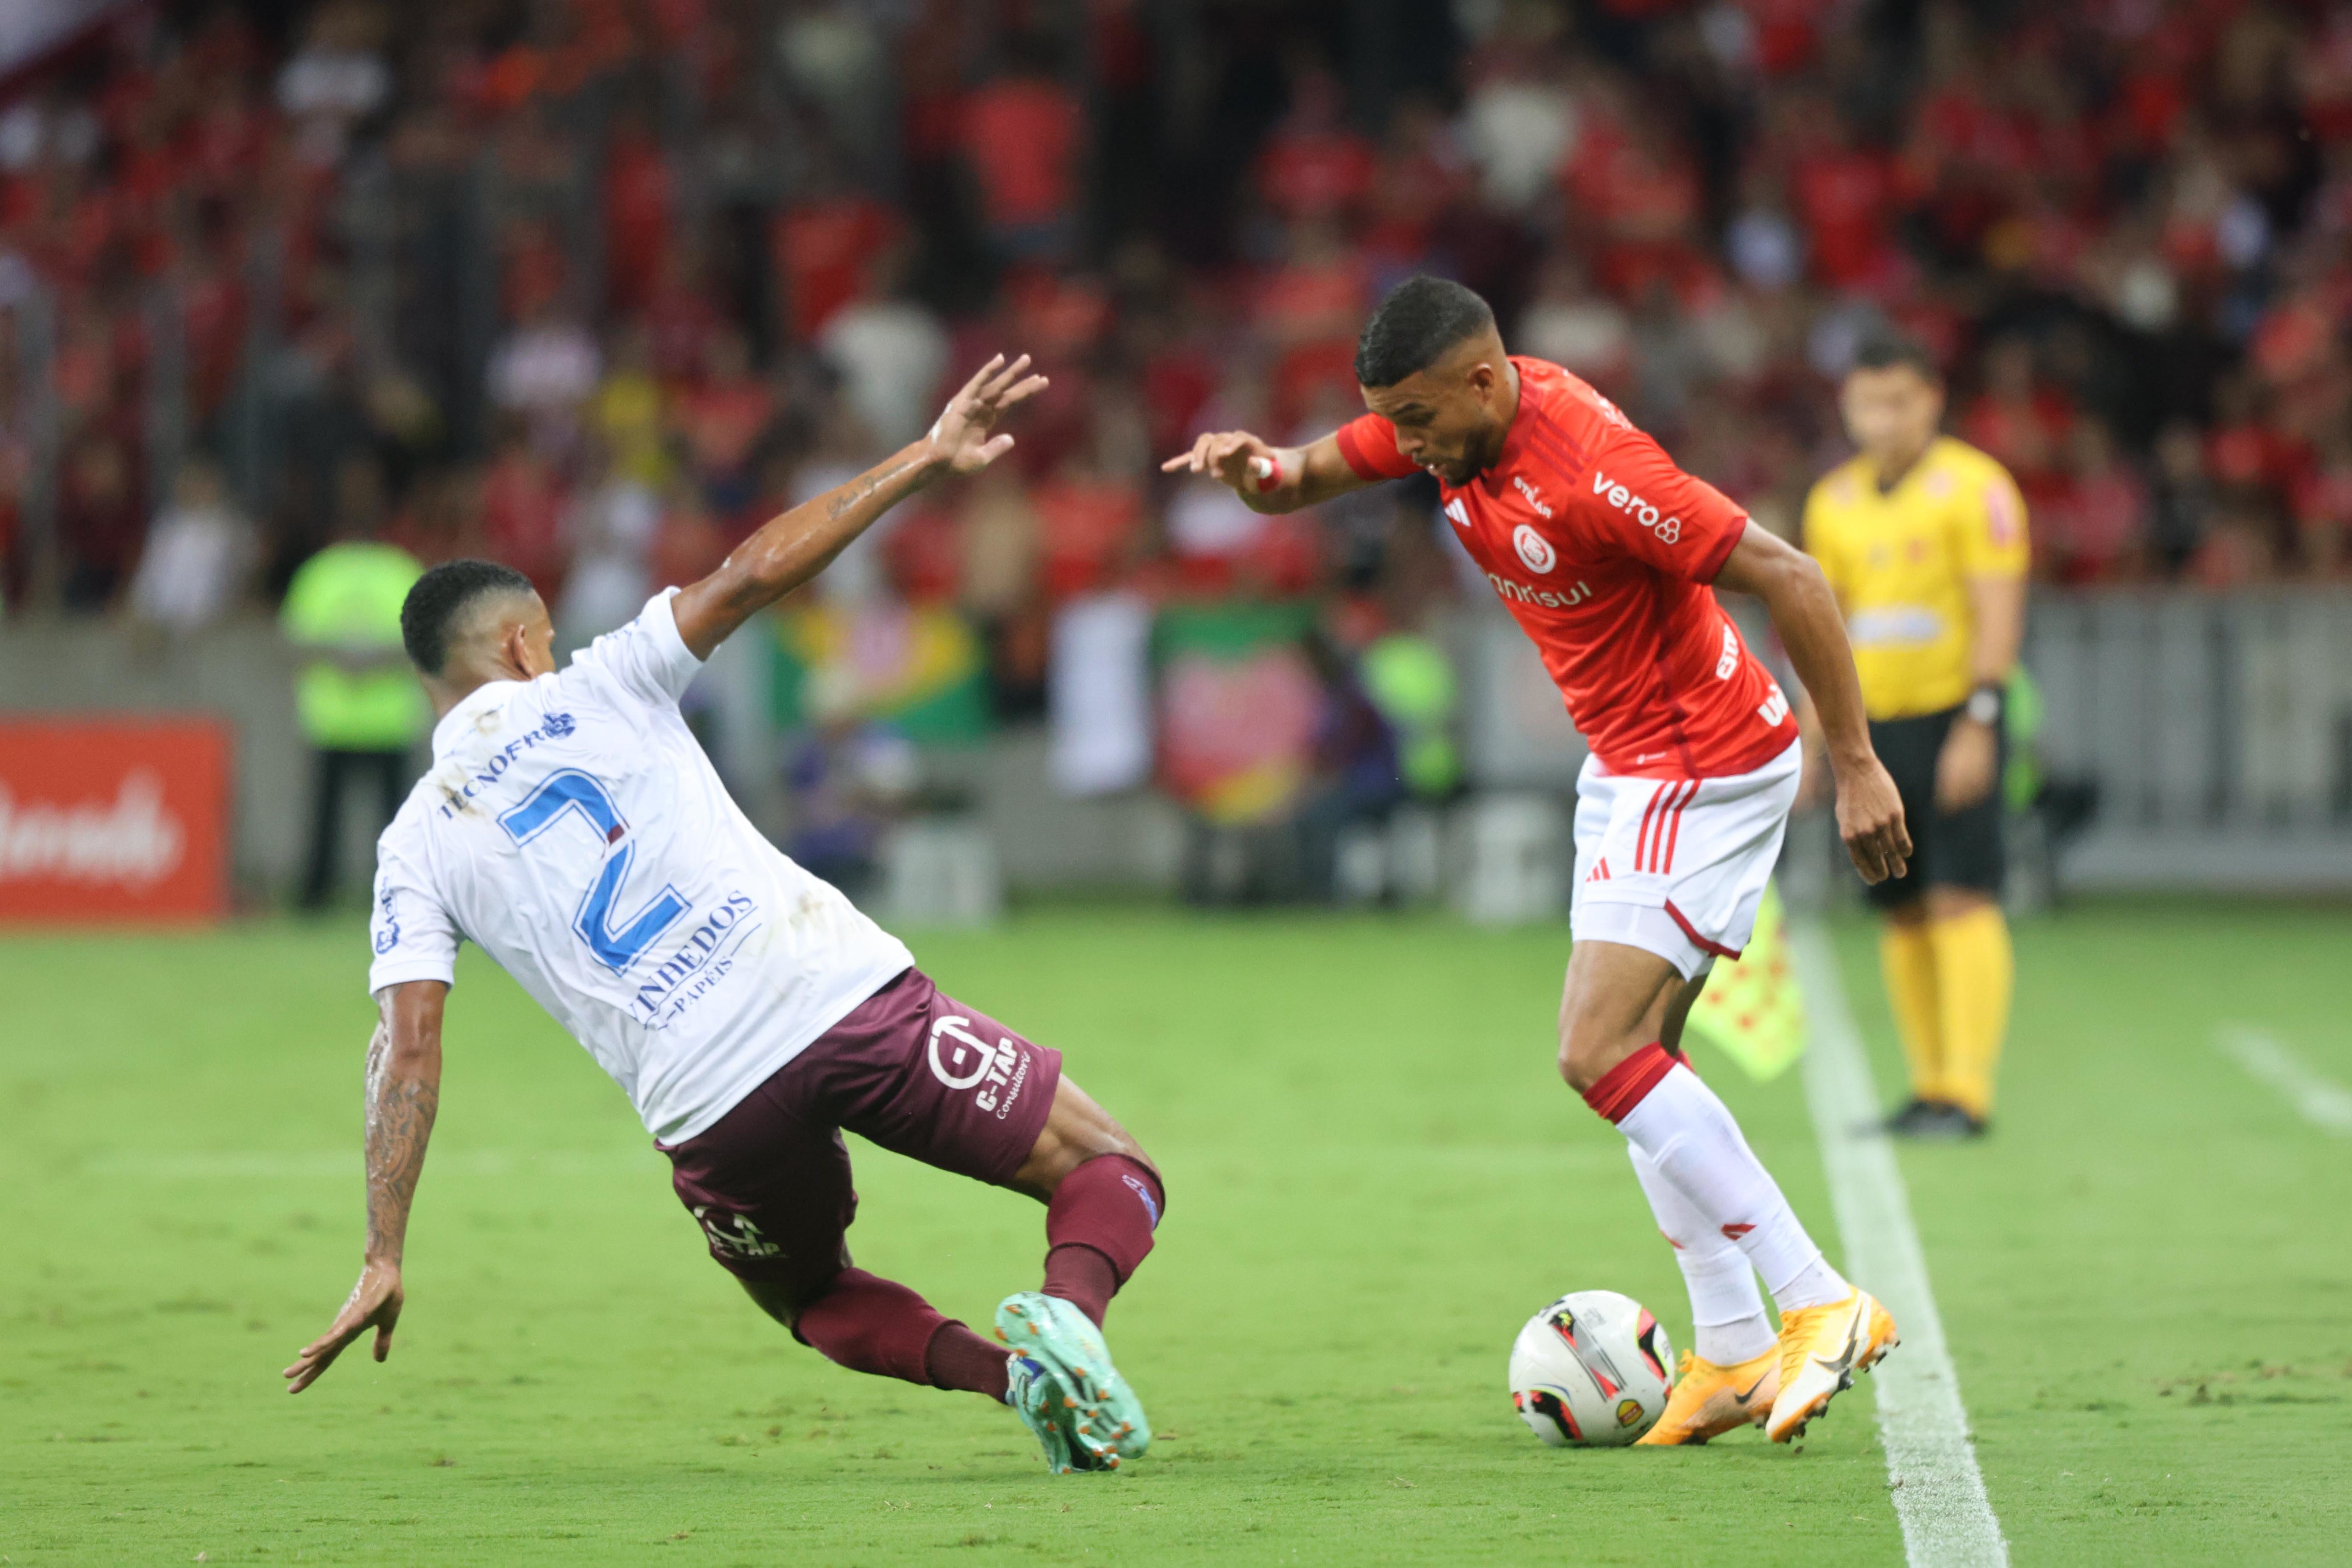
point(1623, 1087)
point(1099, 1230)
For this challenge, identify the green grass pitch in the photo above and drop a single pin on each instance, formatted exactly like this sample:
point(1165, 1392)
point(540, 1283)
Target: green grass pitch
point(1374, 1176)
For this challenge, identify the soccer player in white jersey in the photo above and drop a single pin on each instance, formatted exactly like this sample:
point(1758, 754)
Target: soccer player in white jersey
point(572, 826)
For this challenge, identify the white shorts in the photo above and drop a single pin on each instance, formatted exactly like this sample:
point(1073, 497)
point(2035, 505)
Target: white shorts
point(1677, 867)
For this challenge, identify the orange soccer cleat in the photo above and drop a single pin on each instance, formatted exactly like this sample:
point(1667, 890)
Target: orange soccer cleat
point(1710, 1400)
point(1822, 1348)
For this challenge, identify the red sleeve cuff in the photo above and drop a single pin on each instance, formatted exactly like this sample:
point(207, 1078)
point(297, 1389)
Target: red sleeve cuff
point(1710, 564)
point(1366, 463)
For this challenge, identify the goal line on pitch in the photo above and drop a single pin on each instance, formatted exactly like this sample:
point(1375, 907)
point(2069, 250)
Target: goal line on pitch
point(1931, 1462)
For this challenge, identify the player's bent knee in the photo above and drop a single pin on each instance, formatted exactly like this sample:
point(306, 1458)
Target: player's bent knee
point(1586, 1057)
point(784, 1300)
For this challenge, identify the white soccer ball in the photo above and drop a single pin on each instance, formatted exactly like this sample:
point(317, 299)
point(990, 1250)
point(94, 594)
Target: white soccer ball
point(1593, 1371)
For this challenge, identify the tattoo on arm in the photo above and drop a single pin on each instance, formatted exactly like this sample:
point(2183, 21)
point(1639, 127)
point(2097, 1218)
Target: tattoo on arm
point(400, 1111)
point(857, 493)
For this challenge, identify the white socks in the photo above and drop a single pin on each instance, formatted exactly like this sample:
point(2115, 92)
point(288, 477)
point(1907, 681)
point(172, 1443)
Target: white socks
point(1689, 1136)
point(1727, 1320)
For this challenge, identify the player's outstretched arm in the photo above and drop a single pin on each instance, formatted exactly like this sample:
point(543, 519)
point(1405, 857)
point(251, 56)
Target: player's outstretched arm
point(1269, 478)
point(1805, 613)
point(403, 1092)
point(796, 545)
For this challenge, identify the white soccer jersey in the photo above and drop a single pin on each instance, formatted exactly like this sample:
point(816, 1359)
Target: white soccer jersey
point(572, 826)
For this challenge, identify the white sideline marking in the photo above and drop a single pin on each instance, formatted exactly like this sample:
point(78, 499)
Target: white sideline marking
point(1931, 1464)
point(2316, 1098)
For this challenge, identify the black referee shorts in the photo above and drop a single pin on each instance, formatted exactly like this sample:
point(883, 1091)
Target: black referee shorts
point(1948, 849)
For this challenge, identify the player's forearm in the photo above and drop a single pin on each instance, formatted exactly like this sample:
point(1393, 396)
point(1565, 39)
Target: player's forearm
point(794, 546)
point(1998, 604)
point(1805, 613)
point(404, 1094)
point(1810, 630)
point(1286, 486)
point(1271, 480)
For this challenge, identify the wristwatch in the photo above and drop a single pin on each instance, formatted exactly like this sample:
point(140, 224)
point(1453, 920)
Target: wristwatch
point(1984, 704)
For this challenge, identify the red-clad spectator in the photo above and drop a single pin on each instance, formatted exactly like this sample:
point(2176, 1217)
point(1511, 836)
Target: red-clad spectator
point(1089, 519)
point(681, 318)
point(720, 417)
point(212, 301)
point(825, 250)
point(1022, 134)
point(1314, 166)
point(1639, 196)
point(1178, 378)
point(1842, 193)
point(1785, 34)
point(930, 82)
point(923, 555)
point(100, 520)
point(2324, 76)
point(689, 544)
point(637, 200)
point(2251, 462)
point(534, 266)
point(523, 502)
point(1310, 309)
point(2093, 527)
point(228, 140)
point(2323, 508)
point(1421, 177)
point(2024, 424)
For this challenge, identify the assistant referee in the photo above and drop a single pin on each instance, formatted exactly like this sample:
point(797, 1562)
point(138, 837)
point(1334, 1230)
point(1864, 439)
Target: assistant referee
point(1923, 539)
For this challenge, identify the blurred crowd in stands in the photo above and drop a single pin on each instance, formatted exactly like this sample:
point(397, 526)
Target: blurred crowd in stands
point(597, 285)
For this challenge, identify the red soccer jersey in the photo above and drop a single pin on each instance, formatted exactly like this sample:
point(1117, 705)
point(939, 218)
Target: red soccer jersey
point(1603, 550)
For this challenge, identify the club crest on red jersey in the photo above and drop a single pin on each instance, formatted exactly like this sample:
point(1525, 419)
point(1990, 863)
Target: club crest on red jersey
point(1533, 549)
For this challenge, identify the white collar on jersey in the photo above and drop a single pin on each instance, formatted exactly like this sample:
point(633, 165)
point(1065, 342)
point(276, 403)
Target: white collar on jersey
point(474, 703)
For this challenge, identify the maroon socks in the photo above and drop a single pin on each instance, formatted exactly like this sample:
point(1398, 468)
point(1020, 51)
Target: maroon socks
point(1099, 1230)
point(867, 1323)
point(958, 1358)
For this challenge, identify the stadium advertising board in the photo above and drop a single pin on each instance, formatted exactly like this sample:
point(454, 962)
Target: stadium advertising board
point(113, 818)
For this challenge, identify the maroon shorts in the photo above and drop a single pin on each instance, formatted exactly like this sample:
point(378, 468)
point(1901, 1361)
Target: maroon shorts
point(910, 1068)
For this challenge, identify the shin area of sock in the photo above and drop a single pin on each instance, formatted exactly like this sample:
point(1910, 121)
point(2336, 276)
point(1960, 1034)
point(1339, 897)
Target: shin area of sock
point(1693, 1138)
point(1108, 1207)
point(958, 1358)
point(867, 1323)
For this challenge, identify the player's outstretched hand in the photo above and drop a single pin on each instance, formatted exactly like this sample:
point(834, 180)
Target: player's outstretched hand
point(1870, 820)
point(963, 435)
point(1234, 458)
point(374, 1304)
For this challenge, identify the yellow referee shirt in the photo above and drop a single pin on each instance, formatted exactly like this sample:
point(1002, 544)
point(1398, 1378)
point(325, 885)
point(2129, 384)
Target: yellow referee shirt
point(1900, 562)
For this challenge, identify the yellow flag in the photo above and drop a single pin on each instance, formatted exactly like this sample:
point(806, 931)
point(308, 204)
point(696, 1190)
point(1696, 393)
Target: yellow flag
point(1750, 1009)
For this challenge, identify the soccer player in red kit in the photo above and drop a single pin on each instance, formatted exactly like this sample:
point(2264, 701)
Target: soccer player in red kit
point(1607, 554)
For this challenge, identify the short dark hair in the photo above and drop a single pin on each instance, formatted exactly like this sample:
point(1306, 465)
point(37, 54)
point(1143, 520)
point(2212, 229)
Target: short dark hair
point(1885, 350)
point(441, 597)
point(1420, 319)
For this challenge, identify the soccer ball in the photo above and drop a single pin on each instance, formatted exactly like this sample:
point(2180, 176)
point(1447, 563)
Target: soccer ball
point(1591, 1370)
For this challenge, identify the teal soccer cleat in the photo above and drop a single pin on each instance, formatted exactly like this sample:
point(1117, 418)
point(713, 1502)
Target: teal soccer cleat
point(1105, 1420)
point(1039, 1398)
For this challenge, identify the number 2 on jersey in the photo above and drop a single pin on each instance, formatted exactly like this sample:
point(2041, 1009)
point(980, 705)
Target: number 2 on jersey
point(572, 790)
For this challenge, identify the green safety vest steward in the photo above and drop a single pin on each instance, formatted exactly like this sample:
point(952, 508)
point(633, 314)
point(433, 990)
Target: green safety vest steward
point(348, 597)
point(1411, 682)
